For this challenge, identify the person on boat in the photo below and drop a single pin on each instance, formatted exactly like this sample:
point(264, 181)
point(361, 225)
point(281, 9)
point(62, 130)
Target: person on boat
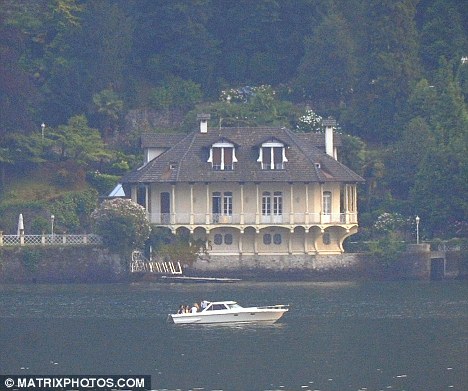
point(204, 304)
point(181, 309)
point(195, 308)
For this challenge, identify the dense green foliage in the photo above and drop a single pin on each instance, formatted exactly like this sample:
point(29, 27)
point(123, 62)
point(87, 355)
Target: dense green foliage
point(393, 72)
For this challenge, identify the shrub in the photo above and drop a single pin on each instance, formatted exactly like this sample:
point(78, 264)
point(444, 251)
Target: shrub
point(175, 247)
point(387, 250)
point(122, 224)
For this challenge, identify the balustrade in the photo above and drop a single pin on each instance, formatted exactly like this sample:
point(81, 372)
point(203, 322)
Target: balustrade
point(48, 240)
point(251, 218)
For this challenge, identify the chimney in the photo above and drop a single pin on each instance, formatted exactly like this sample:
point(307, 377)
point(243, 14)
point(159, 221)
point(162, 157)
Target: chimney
point(329, 123)
point(203, 118)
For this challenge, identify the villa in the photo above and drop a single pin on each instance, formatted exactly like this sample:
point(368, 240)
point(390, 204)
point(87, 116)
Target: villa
point(249, 191)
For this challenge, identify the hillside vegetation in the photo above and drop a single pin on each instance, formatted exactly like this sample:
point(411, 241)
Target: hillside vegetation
point(394, 73)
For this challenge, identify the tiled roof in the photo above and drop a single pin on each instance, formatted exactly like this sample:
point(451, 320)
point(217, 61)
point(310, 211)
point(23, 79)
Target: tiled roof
point(186, 161)
point(153, 140)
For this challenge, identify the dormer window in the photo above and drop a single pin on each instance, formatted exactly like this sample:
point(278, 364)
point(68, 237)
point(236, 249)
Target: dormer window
point(272, 155)
point(222, 156)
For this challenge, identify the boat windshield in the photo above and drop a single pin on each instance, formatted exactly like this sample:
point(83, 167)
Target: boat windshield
point(234, 306)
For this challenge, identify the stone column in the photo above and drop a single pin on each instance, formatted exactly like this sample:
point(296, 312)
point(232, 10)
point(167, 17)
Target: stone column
point(256, 242)
point(173, 204)
point(242, 204)
point(191, 204)
point(133, 193)
point(291, 204)
point(321, 203)
point(257, 210)
point(207, 219)
point(291, 233)
point(241, 233)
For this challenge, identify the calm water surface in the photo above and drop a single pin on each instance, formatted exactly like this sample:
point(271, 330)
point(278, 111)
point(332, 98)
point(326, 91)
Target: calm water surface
point(339, 336)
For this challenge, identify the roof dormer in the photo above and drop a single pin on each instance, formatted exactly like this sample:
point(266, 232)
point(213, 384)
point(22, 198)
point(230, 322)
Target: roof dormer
point(272, 155)
point(222, 155)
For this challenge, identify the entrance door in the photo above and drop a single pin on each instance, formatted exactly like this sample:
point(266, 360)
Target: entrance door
point(327, 207)
point(216, 207)
point(165, 208)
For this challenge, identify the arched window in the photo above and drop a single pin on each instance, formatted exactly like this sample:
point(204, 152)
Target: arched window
point(228, 239)
point(277, 239)
point(267, 239)
point(218, 239)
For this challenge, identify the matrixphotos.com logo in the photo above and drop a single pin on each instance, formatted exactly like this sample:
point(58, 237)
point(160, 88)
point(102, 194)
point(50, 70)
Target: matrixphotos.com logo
point(78, 382)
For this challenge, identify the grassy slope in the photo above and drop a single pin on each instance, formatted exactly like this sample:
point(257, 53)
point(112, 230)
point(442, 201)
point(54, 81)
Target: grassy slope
point(31, 191)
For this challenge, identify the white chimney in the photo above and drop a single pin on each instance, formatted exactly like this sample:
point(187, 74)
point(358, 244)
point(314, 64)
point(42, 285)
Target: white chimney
point(203, 118)
point(329, 124)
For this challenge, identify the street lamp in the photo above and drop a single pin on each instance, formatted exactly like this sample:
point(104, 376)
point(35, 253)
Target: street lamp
point(42, 130)
point(417, 229)
point(52, 218)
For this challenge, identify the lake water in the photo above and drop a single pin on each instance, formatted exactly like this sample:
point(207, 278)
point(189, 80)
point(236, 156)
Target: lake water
point(339, 336)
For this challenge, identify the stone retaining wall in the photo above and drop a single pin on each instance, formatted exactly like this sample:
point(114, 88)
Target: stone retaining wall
point(82, 264)
point(60, 265)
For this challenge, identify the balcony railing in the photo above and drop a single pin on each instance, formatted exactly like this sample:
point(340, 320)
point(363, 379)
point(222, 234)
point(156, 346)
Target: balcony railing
point(250, 218)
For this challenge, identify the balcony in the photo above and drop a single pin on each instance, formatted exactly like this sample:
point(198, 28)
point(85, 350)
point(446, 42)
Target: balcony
point(202, 219)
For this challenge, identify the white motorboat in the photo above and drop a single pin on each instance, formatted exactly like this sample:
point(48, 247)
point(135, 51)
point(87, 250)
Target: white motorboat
point(230, 312)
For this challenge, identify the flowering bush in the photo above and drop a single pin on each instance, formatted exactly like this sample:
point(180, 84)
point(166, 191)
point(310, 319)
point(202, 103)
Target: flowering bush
point(390, 222)
point(122, 224)
point(310, 122)
point(245, 94)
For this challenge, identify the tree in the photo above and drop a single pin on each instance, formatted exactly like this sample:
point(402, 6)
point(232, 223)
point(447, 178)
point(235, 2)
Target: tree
point(176, 93)
point(18, 93)
point(62, 72)
point(390, 229)
point(109, 106)
point(391, 66)
point(442, 33)
point(79, 142)
point(327, 72)
point(248, 106)
point(105, 46)
point(406, 155)
point(122, 224)
point(439, 193)
point(173, 41)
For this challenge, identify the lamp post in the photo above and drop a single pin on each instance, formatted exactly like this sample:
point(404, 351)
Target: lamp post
point(417, 229)
point(52, 218)
point(42, 130)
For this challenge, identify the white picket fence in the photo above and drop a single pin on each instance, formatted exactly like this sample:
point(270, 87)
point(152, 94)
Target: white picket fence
point(49, 240)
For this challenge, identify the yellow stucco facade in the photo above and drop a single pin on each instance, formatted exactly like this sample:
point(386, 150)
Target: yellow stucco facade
point(255, 218)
